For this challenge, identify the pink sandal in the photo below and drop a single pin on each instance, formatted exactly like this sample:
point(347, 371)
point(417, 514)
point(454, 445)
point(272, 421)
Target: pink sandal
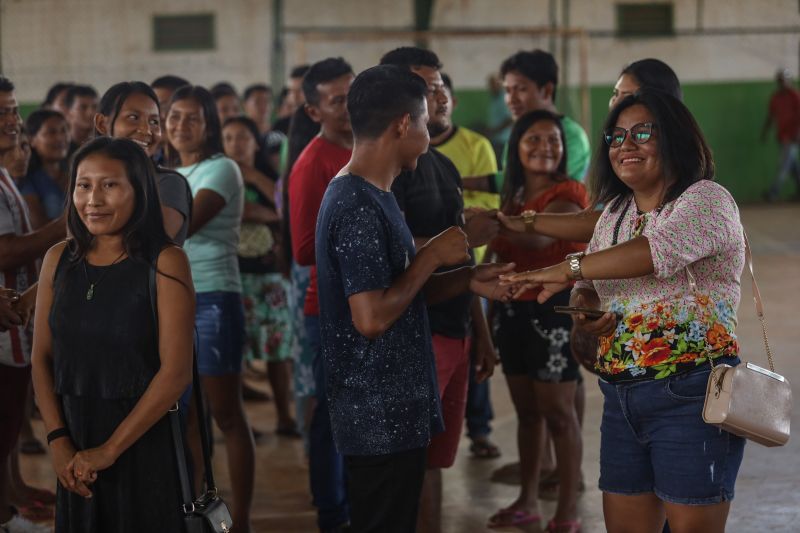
point(565, 526)
point(512, 518)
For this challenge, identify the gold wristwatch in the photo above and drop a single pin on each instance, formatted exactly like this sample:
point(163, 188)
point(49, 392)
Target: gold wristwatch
point(529, 216)
point(574, 261)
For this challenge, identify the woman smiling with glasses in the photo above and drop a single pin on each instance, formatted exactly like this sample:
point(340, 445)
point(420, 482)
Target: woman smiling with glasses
point(664, 217)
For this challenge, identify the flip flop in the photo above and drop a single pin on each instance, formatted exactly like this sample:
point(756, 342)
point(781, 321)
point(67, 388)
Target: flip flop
point(512, 518)
point(484, 449)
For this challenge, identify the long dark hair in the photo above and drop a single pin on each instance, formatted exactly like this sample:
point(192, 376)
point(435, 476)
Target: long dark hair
point(260, 162)
point(682, 148)
point(33, 124)
point(654, 74)
point(301, 131)
point(213, 142)
point(515, 173)
point(114, 98)
point(143, 236)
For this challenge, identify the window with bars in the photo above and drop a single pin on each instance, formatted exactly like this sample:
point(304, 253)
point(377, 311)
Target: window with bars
point(184, 32)
point(645, 20)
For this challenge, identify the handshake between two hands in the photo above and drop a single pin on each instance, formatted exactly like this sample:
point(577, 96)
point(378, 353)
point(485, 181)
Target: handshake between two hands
point(497, 281)
point(15, 309)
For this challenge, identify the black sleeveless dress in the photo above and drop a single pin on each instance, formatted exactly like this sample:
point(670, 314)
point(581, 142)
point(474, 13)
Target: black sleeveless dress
point(105, 353)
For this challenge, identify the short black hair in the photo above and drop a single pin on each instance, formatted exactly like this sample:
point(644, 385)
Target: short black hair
point(283, 94)
point(254, 88)
point(538, 66)
point(221, 89)
point(53, 92)
point(447, 82)
point(656, 75)
point(411, 57)
point(5, 85)
point(79, 91)
point(382, 94)
point(169, 81)
point(322, 72)
point(299, 71)
point(682, 148)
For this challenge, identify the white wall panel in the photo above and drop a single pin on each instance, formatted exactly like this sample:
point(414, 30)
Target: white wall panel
point(104, 41)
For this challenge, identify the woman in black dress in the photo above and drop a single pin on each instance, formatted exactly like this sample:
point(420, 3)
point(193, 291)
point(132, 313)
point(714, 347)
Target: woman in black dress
point(103, 375)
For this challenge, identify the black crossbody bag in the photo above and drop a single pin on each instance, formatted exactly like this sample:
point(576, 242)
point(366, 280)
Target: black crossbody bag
point(208, 513)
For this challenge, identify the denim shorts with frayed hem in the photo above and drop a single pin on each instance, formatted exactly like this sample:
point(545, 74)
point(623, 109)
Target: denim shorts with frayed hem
point(654, 440)
point(220, 328)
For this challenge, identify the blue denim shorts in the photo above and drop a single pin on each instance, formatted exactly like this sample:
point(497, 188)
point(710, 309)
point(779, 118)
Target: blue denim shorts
point(220, 328)
point(654, 440)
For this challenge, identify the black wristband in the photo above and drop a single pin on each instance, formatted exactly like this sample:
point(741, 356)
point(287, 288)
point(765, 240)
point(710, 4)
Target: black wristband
point(57, 434)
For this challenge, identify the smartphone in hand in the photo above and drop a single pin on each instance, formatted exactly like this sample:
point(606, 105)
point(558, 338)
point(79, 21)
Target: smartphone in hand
point(591, 314)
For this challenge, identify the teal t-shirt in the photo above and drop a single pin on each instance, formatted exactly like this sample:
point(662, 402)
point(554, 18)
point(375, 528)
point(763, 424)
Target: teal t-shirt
point(579, 153)
point(212, 250)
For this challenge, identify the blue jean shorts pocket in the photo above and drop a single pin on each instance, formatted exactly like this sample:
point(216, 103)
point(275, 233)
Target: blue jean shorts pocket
point(688, 387)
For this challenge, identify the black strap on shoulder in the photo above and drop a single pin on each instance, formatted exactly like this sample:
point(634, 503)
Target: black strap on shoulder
point(174, 414)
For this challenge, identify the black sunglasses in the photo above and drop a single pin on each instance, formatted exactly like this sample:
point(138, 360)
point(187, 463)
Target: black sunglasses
point(640, 134)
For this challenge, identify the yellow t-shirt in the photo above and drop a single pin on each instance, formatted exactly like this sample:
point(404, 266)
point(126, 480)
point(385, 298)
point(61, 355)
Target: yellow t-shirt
point(473, 156)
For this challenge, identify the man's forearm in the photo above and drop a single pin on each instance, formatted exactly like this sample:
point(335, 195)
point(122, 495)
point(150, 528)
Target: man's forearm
point(446, 285)
point(478, 183)
point(374, 312)
point(19, 250)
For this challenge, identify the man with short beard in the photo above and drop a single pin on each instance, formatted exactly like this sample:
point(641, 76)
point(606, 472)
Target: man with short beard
point(431, 200)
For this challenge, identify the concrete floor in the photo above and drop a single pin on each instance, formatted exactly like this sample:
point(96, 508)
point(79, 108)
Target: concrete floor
point(768, 487)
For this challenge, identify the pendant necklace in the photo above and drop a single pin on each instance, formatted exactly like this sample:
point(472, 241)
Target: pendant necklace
point(92, 285)
point(639, 222)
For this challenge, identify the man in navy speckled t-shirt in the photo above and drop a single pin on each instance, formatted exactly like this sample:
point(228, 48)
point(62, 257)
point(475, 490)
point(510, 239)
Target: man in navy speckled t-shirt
point(373, 291)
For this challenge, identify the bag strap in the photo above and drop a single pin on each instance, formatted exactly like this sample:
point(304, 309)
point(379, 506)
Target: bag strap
point(211, 486)
point(759, 304)
point(175, 423)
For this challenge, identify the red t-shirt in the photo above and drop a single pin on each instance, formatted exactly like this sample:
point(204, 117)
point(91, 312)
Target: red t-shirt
point(531, 258)
point(317, 165)
point(784, 108)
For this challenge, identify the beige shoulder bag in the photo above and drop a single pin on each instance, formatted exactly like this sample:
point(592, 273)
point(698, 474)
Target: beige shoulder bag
point(748, 400)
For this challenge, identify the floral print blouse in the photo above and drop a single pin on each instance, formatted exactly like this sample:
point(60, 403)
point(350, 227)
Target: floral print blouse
point(665, 327)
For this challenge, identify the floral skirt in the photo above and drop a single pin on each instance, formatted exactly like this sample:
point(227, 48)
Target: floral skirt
point(268, 321)
point(302, 352)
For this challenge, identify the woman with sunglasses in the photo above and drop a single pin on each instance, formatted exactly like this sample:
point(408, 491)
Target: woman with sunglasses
point(664, 219)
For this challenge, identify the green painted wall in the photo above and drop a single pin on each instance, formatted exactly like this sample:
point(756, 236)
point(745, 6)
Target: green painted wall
point(731, 115)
